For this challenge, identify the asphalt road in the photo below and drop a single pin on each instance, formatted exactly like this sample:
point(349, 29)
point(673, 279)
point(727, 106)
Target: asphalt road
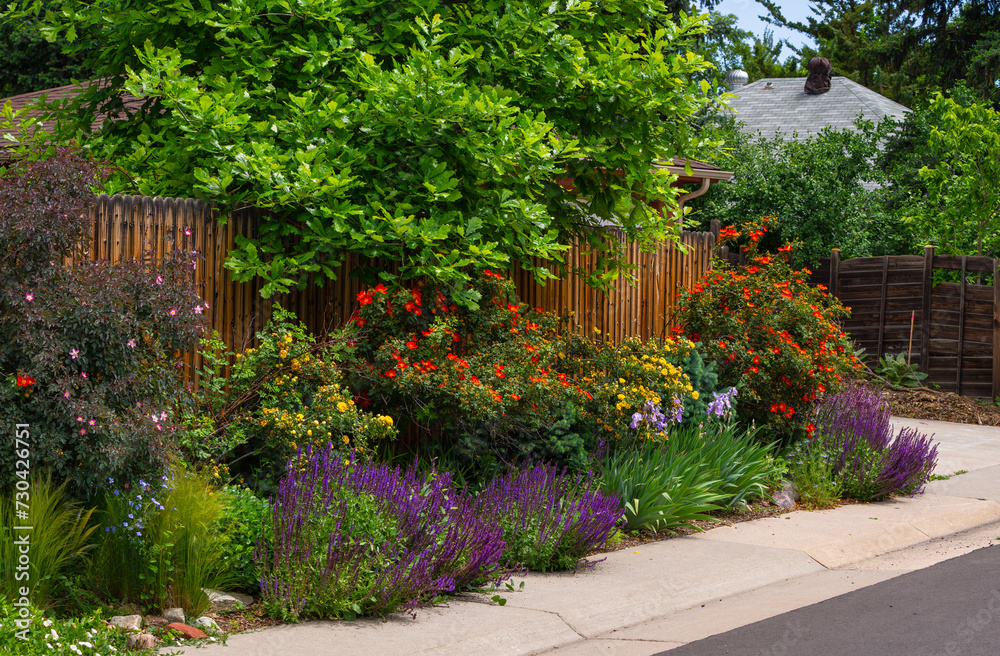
point(949, 609)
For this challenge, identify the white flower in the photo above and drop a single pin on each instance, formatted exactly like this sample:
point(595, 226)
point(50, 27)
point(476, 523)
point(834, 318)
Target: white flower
point(86, 644)
point(47, 623)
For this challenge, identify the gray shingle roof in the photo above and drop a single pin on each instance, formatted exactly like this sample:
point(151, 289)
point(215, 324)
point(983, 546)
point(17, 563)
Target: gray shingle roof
point(786, 108)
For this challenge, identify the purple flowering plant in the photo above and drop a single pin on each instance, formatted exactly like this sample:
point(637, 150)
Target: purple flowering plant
point(352, 538)
point(550, 519)
point(867, 460)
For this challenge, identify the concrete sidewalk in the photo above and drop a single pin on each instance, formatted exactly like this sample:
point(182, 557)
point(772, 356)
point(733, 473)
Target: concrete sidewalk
point(651, 598)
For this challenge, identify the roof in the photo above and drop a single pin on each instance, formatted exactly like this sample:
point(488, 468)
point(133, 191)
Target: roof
point(781, 105)
point(57, 93)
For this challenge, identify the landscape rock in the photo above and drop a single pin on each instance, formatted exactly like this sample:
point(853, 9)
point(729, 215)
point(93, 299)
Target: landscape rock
point(222, 602)
point(126, 622)
point(174, 615)
point(204, 622)
point(783, 499)
point(142, 641)
point(792, 491)
point(187, 631)
point(155, 620)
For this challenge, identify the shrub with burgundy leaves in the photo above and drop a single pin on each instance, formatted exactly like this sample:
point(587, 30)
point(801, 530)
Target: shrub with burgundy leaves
point(358, 538)
point(867, 461)
point(98, 342)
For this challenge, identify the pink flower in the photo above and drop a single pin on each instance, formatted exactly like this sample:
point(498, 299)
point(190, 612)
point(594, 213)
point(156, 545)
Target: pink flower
point(83, 431)
point(159, 280)
point(198, 309)
point(206, 305)
point(79, 418)
point(172, 312)
point(92, 422)
point(29, 296)
point(131, 343)
point(187, 231)
point(83, 374)
point(66, 394)
point(74, 354)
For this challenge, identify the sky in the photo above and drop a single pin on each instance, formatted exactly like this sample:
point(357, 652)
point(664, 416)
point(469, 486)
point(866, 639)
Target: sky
point(747, 11)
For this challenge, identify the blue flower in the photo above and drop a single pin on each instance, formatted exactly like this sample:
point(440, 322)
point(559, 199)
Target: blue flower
point(130, 516)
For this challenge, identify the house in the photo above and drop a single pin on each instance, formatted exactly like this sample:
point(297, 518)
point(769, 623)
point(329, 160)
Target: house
point(780, 105)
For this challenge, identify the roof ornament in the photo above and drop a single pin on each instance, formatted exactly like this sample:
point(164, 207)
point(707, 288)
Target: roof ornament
point(737, 78)
point(819, 76)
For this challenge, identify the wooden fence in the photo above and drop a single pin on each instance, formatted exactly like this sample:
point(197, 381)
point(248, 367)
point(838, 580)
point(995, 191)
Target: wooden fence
point(126, 226)
point(956, 325)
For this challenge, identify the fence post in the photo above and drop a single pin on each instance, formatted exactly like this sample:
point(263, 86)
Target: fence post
point(996, 328)
point(834, 272)
point(925, 312)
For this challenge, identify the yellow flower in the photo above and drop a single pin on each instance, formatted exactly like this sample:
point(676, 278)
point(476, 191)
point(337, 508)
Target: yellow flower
point(694, 395)
point(309, 433)
point(621, 380)
point(283, 354)
point(346, 462)
point(288, 339)
point(342, 406)
point(621, 397)
point(347, 440)
point(386, 419)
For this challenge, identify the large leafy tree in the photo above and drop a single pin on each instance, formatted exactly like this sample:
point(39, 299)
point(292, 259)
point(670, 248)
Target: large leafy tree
point(28, 62)
point(431, 133)
point(823, 191)
point(960, 211)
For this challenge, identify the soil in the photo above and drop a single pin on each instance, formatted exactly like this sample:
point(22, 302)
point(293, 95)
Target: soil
point(248, 619)
point(924, 403)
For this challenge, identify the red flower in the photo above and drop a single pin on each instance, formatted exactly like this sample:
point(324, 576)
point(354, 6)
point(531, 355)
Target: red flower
point(381, 289)
point(389, 374)
point(25, 381)
point(364, 298)
point(411, 345)
point(361, 322)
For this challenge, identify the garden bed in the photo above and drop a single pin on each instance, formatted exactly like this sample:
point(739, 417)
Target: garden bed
point(941, 406)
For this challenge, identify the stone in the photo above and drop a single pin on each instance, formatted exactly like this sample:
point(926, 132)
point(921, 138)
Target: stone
point(155, 620)
point(187, 631)
point(126, 622)
point(783, 499)
point(223, 602)
point(792, 491)
point(142, 641)
point(204, 622)
point(174, 615)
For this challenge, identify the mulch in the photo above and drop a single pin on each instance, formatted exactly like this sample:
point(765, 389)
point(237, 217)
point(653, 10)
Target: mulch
point(924, 403)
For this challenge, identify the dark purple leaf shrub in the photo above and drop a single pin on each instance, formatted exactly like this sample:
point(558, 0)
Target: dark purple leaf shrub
point(97, 341)
point(352, 538)
point(550, 519)
point(868, 461)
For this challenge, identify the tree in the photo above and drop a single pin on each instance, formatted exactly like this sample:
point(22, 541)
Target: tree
point(822, 192)
point(961, 209)
point(430, 133)
point(30, 63)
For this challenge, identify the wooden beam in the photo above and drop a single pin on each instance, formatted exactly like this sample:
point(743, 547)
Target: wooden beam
point(961, 331)
point(834, 271)
point(881, 311)
point(996, 328)
point(925, 310)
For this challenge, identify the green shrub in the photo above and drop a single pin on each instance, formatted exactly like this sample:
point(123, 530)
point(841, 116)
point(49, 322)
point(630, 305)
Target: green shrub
point(771, 335)
point(503, 380)
point(660, 489)
point(245, 518)
point(811, 467)
point(57, 542)
point(285, 393)
point(80, 636)
point(161, 544)
point(737, 459)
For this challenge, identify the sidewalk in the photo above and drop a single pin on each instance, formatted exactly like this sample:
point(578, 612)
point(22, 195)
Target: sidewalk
point(661, 595)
